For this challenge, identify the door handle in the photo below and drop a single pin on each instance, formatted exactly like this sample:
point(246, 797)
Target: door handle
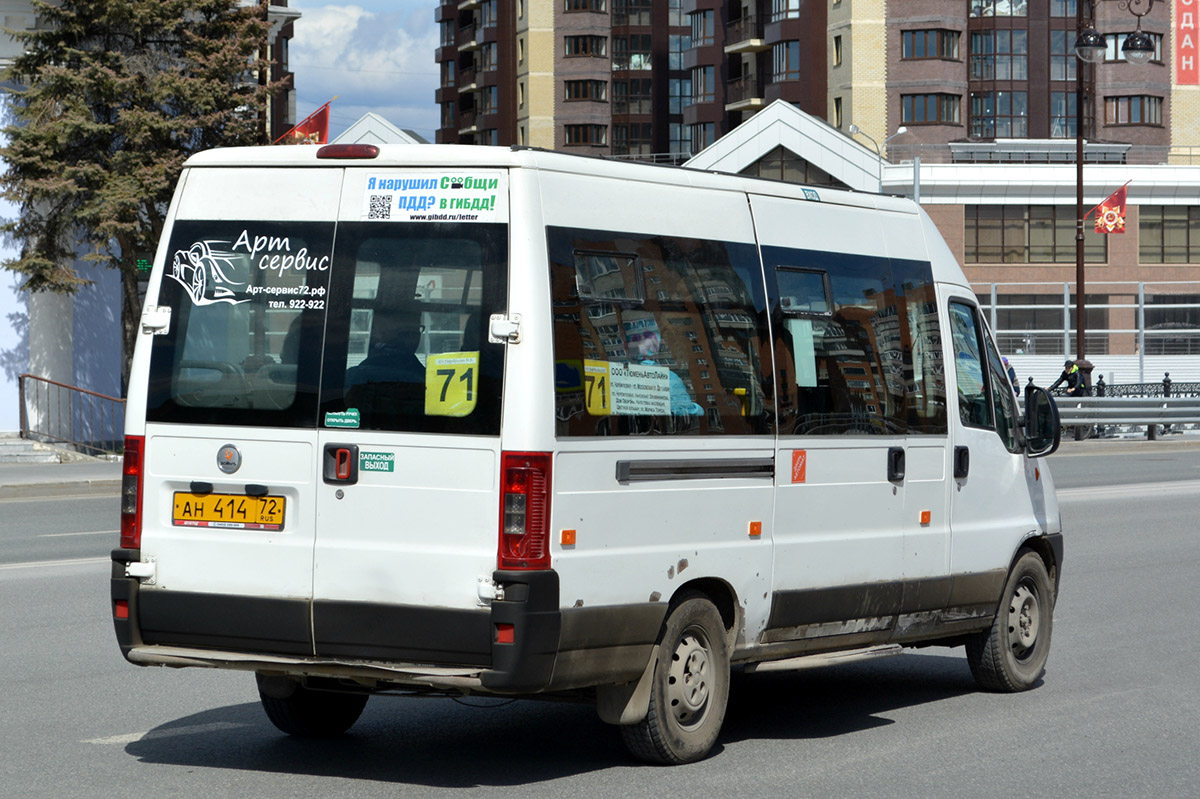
point(962, 463)
point(895, 461)
point(340, 464)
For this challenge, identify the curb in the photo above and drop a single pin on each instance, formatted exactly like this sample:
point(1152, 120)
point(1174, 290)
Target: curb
point(74, 488)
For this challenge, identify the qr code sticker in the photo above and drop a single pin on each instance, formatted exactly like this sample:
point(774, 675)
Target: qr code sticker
point(381, 207)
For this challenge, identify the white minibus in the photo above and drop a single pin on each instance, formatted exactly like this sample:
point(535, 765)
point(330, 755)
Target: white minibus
point(449, 420)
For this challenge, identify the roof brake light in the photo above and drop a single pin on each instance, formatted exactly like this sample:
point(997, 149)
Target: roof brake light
point(348, 151)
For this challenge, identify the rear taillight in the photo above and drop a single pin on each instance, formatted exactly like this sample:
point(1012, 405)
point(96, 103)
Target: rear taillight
point(131, 493)
point(524, 510)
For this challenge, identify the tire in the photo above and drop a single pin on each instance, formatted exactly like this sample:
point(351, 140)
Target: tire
point(1011, 656)
point(690, 689)
point(313, 714)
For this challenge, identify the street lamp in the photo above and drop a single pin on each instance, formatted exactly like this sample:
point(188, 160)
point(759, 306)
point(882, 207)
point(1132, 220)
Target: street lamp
point(855, 130)
point(1091, 48)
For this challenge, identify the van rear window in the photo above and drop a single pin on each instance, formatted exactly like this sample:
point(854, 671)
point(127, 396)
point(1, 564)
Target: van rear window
point(248, 302)
point(277, 324)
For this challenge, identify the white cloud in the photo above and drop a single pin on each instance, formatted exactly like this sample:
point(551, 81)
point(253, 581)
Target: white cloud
point(374, 55)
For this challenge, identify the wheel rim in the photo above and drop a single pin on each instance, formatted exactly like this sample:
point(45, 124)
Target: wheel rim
point(689, 678)
point(1024, 620)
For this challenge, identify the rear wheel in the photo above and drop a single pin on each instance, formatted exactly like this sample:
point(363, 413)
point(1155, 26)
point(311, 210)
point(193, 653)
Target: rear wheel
point(301, 711)
point(690, 689)
point(1011, 656)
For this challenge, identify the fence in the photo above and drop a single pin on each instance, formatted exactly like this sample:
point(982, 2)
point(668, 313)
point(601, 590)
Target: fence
point(58, 413)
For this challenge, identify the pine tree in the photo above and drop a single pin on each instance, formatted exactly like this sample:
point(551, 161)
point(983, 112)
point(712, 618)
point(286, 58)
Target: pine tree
point(112, 96)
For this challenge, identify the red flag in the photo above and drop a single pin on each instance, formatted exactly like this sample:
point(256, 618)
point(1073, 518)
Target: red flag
point(1110, 214)
point(313, 129)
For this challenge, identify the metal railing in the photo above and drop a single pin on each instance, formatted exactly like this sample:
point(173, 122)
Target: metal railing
point(54, 412)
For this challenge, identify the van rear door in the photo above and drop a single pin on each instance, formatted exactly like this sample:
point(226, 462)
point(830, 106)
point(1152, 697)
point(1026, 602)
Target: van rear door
point(409, 419)
point(231, 401)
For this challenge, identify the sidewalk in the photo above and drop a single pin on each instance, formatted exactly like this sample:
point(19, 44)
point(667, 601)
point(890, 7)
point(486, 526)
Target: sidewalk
point(48, 480)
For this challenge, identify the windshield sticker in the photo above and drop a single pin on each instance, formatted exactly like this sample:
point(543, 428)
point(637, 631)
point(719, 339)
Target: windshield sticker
point(424, 197)
point(451, 383)
point(626, 389)
point(215, 270)
point(346, 419)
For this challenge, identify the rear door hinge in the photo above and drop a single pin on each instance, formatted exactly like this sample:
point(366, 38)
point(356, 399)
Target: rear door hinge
point(504, 329)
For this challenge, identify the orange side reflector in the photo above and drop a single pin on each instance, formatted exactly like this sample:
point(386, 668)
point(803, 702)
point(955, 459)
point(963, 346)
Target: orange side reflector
point(505, 634)
point(926, 517)
point(1037, 474)
point(568, 538)
point(121, 609)
point(755, 529)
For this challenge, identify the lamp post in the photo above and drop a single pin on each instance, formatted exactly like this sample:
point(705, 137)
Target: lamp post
point(1091, 48)
point(855, 130)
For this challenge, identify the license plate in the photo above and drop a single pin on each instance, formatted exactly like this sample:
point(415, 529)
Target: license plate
point(233, 511)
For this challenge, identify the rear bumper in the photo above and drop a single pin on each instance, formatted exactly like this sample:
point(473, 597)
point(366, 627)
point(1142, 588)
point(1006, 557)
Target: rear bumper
point(442, 648)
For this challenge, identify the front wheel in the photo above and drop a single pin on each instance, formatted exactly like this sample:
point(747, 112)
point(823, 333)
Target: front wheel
point(303, 712)
point(1011, 656)
point(690, 690)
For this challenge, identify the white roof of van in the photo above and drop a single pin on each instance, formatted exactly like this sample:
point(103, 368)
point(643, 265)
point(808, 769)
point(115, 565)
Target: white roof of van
point(458, 156)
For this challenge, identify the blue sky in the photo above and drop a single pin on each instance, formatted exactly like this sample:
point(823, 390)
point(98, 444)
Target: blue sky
point(374, 55)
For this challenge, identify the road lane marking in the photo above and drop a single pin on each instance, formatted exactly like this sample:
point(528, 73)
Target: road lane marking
point(33, 564)
point(1131, 490)
point(170, 732)
point(85, 532)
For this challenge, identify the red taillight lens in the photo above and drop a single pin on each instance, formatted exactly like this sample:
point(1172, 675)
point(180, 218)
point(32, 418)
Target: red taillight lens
point(524, 510)
point(131, 493)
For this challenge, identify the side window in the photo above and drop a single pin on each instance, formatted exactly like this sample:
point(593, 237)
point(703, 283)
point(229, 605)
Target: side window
point(686, 358)
point(858, 345)
point(973, 406)
point(1004, 404)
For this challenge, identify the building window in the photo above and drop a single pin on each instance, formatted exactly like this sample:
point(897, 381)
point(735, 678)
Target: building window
point(703, 85)
point(702, 28)
point(448, 30)
point(631, 52)
point(587, 90)
point(489, 100)
point(632, 139)
point(681, 94)
point(1062, 8)
point(1168, 234)
point(1002, 115)
point(929, 44)
point(448, 73)
point(1027, 234)
point(520, 94)
point(489, 57)
point(1117, 40)
point(1133, 110)
point(837, 112)
point(1000, 55)
point(931, 108)
point(677, 45)
point(1062, 115)
point(585, 5)
point(675, 16)
point(703, 135)
point(785, 9)
point(680, 139)
point(448, 114)
point(999, 8)
point(632, 96)
point(837, 51)
point(521, 137)
point(587, 134)
point(631, 12)
point(1062, 55)
point(520, 51)
point(586, 46)
point(787, 61)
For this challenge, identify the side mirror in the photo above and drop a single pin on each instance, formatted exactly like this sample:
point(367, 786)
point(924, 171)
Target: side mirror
point(1042, 428)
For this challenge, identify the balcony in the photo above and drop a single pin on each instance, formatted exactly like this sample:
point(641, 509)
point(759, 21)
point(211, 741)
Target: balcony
point(745, 35)
point(744, 94)
point(468, 122)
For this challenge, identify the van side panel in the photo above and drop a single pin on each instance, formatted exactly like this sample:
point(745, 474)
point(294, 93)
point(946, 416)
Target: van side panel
point(651, 499)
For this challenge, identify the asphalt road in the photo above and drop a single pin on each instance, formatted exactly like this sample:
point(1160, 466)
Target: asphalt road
point(1116, 715)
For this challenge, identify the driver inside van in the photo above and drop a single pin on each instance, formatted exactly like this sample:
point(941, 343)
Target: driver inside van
point(391, 357)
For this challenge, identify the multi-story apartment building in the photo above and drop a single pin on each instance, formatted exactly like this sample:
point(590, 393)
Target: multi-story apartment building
point(602, 77)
